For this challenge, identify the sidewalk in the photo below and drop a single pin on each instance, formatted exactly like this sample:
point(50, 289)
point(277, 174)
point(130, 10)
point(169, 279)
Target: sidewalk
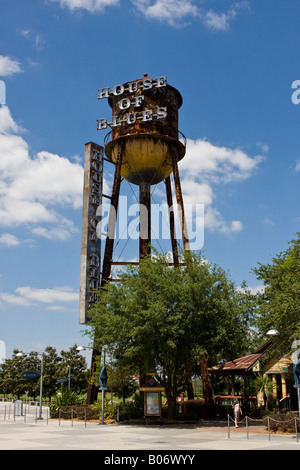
point(32, 434)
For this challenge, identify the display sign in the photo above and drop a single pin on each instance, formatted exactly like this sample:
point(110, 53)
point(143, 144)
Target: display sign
point(62, 380)
point(152, 404)
point(90, 242)
point(103, 379)
point(133, 103)
point(30, 375)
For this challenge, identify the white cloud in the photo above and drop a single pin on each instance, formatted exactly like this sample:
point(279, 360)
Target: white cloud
point(34, 37)
point(263, 146)
point(218, 164)
point(28, 296)
point(267, 221)
point(7, 239)
point(206, 166)
point(174, 11)
point(89, 5)
point(252, 290)
point(166, 10)
point(7, 124)
point(214, 221)
point(62, 232)
point(34, 189)
point(9, 66)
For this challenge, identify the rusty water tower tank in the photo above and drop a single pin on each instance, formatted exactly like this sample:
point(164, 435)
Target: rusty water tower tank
point(149, 131)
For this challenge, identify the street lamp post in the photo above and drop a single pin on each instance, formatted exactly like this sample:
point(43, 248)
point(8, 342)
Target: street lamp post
point(103, 379)
point(41, 383)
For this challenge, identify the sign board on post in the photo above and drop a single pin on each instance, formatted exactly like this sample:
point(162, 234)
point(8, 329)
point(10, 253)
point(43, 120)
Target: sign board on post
point(152, 404)
point(90, 242)
point(30, 375)
point(152, 395)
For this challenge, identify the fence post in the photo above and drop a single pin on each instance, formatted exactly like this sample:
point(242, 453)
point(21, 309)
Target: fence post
point(296, 429)
point(247, 427)
point(269, 428)
point(59, 415)
point(85, 417)
point(72, 416)
point(228, 426)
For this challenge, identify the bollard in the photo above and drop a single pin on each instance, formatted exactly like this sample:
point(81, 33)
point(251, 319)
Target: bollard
point(228, 426)
point(296, 429)
point(269, 428)
point(247, 427)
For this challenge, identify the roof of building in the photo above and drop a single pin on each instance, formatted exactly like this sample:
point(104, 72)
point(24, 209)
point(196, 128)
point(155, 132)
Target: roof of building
point(241, 364)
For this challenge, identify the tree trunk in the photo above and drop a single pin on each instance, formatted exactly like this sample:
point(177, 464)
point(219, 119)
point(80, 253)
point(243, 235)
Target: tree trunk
point(171, 407)
point(207, 388)
point(189, 385)
point(190, 390)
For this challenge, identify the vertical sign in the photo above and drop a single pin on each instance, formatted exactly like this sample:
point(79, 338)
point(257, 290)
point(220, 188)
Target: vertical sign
point(90, 243)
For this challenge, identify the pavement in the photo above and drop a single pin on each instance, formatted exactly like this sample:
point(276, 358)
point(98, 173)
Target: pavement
point(124, 441)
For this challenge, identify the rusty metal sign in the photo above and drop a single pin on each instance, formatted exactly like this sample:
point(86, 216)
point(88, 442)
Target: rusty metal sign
point(130, 100)
point(90, 243)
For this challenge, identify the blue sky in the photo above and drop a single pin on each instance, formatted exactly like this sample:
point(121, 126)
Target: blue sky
point(234, 62)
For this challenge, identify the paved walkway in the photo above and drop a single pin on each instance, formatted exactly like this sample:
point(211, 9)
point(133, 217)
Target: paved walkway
point(28, 433)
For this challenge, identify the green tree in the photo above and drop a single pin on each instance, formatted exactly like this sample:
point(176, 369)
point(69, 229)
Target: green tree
point(11, 381)
point(73, 363)
point(120, 381)
point(279, 306)
point(171, 320)
point(264, 385)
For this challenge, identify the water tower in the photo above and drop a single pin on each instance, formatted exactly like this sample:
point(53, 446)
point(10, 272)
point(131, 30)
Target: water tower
point(144, 145)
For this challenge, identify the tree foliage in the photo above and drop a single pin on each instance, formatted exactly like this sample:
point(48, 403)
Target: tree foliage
point(279, 307)
point(55, 367)
point(167, 320)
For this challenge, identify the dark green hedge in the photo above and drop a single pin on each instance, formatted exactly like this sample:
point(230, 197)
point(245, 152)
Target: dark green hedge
point(198, 409)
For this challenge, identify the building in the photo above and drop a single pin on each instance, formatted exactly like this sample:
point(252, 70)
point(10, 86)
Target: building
point(264, 362)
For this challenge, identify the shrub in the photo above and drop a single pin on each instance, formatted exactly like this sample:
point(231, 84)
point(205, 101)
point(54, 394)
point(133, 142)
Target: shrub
point(65, 399)
point(198, 409)
point(79, 412)
point(281, 422)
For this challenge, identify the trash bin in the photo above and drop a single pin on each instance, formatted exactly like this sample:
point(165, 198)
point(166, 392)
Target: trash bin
point(18, 405)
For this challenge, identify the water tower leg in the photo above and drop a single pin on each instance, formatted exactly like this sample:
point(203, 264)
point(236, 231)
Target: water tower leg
point(145, 220)
point(172, 221)
point(185, 238)
point(109, 245)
